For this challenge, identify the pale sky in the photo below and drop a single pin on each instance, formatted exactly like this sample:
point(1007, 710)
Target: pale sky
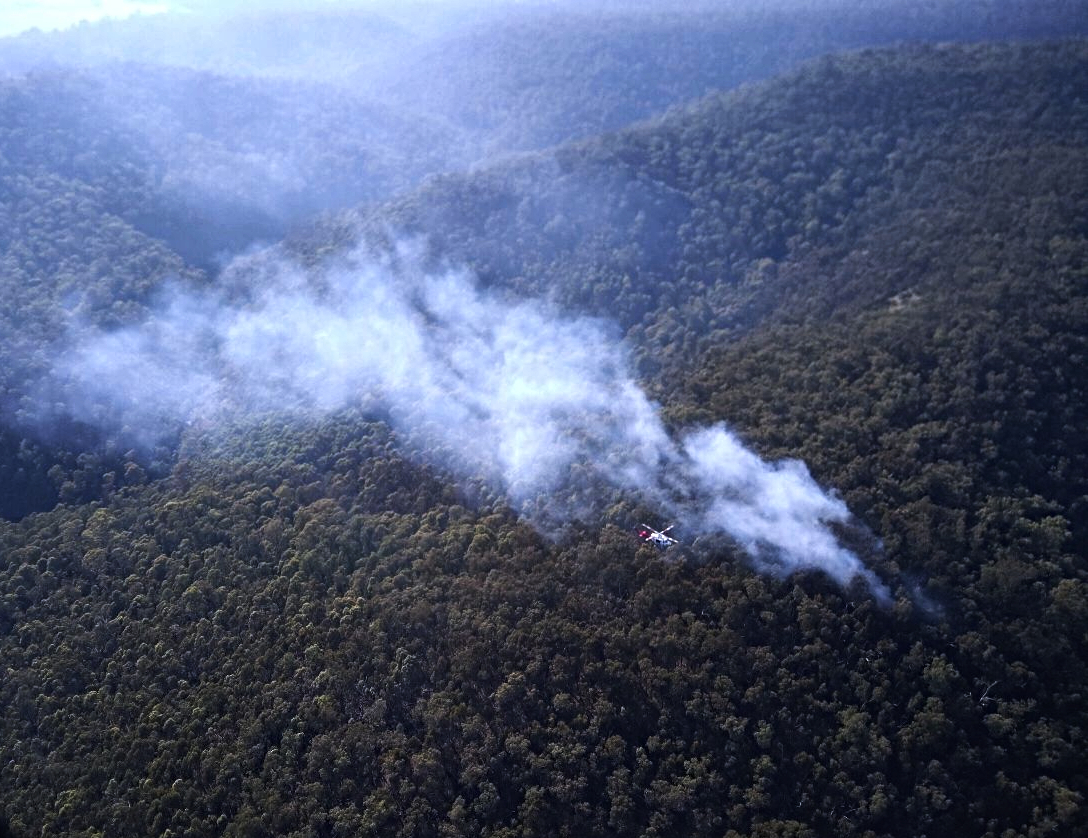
point(19, 15)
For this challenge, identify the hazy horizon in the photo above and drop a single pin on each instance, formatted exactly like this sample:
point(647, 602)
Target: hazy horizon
point(21, 17)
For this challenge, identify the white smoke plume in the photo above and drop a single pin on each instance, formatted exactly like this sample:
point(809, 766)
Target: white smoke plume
point(534, 401)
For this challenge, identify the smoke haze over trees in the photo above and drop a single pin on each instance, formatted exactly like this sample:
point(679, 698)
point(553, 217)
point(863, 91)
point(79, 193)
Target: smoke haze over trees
point(244, 122)
point(343, 352)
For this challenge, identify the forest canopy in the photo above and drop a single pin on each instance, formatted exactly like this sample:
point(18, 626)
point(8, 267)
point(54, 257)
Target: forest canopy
point(306, 622)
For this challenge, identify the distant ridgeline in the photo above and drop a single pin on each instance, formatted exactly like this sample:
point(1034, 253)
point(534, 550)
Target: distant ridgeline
point(134, 158)
point(877, 263)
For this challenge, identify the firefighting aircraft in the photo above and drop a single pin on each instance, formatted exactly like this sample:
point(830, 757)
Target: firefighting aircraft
point(658, 537)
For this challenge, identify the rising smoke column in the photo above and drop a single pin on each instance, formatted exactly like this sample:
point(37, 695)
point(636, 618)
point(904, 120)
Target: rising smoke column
point(513, 391)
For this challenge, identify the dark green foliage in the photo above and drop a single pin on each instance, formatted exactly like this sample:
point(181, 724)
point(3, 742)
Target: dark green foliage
point(72, 188)
point(691, 232)
point(878, 264)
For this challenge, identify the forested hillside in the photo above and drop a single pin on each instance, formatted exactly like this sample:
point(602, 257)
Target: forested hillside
point(877, 263)
point(561, 72)
point(691, 232)
point(248, 123)
point(139, 154)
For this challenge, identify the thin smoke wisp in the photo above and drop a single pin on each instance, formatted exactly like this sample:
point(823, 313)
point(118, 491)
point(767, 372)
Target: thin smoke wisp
point(536, 402)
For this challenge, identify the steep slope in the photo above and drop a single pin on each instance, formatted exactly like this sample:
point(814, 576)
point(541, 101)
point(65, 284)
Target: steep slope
point(275, 150)
point(878, 263)
point(247, 124)
point(684, 231)
point(524, 79)
point(73, 191)
point(214, 163)
point(523, 76)
point(207, 163)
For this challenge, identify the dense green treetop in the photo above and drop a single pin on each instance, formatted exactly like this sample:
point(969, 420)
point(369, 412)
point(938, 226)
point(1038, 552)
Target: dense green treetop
point(687, 221)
